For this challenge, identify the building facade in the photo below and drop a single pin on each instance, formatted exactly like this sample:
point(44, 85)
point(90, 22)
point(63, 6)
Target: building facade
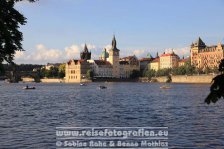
point(169, 60)
point(101, 68)
point(128, 65)
point(183, 61)
point(144, 63)
point(203, 56)
point(109, 65)
point(76, 70)
point(155, 64)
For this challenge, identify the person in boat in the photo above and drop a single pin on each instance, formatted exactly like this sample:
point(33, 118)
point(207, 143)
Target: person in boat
point(27, 86)
point(103, 87)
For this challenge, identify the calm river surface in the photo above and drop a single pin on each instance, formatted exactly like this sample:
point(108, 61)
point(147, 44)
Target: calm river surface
point(28, 118)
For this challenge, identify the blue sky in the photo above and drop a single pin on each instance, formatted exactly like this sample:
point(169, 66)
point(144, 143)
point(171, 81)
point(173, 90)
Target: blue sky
point(61, 27)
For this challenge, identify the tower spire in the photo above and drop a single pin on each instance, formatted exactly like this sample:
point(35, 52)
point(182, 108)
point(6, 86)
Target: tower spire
point(114, 43)
point(85, 48)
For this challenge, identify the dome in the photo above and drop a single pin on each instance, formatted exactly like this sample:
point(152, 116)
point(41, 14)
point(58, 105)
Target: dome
point(149, 55)
point(105, 54)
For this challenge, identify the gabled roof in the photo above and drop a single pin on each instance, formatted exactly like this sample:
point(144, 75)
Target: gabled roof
point(75, 61)
point(168, 54)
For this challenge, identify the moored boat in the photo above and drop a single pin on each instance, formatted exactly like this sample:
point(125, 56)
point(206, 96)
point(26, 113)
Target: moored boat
point(29, 88)
point(165, 87)
point(82, 84)
point(102, 87)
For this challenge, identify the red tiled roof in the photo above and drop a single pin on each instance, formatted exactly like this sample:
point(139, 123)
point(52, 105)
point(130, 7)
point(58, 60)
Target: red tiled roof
point(168, 54)
point(155, 60)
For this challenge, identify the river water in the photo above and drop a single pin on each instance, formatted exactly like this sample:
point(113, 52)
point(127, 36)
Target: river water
point(28, 118)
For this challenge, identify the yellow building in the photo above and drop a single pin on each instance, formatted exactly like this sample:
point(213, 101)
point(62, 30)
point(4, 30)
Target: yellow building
point(155, 64)
point(203, 56)
point(76, 70)
point(169, 60)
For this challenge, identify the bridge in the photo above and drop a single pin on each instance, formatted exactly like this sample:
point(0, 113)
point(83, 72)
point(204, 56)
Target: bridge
point(16, 76)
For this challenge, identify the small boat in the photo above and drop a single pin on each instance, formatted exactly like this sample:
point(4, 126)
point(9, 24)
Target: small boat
point(29, 88)
point(102, 87)
point(82, 84)
point(165, 87)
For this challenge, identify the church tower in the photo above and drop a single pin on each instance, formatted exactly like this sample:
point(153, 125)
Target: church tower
point(85, 54)
point(195, 49)
point(114, 58)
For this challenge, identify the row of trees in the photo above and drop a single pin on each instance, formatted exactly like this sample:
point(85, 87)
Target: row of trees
point(187, 69)
point(53, 72)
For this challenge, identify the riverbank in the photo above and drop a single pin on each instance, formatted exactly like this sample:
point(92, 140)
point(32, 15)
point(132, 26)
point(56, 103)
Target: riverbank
point(181, 79)
point(175, 79)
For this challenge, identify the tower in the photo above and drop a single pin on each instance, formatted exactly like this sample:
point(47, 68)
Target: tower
point(114, 58)
point(85, 54)
point(195, 49)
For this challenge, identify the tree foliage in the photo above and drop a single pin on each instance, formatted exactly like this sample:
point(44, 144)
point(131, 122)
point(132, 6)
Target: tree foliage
point(10, 36)
point(61, 71)
point(217, 88)
point(163, 72)
point(150, 73)
point(53, 72)
point(135, 74)
point(89, 74)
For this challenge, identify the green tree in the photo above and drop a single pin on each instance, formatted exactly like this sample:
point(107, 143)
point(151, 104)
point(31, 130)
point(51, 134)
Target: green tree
point(10, 36)
point(163, 72)
point(179, 70)
point(150, 73)
point(135, 74)
point(89, 74)
point(215, 70)
point(61, 71)
point(208, 70)
point(189, 68)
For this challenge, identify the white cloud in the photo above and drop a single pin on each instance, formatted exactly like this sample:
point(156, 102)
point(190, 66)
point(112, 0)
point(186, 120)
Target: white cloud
point(108, 47)
point(185, 51)
point(43, 54)
point(72, 51)
point(139, 53)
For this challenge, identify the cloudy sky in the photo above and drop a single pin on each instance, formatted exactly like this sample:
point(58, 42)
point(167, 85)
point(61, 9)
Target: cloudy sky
point(57, 29)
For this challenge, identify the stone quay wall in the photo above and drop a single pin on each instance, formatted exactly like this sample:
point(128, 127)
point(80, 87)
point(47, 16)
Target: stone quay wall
point(181, 79)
